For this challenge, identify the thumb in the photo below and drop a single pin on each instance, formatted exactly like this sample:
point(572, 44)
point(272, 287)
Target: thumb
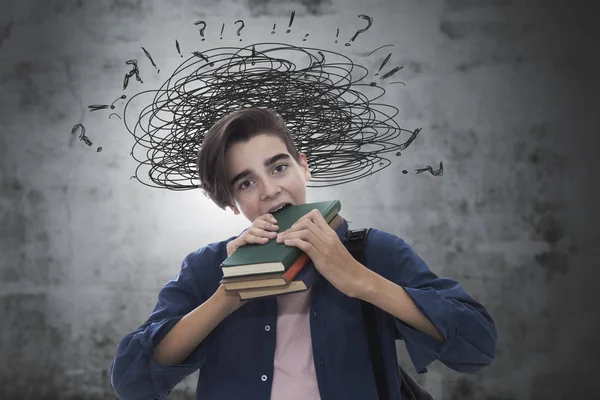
point(232, 247)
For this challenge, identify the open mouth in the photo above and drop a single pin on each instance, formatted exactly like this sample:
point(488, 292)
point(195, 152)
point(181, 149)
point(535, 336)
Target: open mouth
point(280, 207)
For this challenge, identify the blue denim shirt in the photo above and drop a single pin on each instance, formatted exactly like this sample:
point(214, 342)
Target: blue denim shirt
point(236, 359)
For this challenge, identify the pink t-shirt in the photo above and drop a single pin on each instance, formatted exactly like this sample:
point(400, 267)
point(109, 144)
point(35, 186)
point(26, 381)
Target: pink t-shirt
point(294, 375)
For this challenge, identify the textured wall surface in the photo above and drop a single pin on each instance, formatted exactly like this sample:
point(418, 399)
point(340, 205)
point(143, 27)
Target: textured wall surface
point(506, 94)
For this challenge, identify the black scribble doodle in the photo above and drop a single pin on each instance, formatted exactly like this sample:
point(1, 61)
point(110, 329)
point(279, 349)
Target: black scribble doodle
point(240, 28)
point(273, 31)
point(112, 105)
point(337, 34)
point(391, 83)
point(82, 136)
point(151, 60)
point(391, 72)
point(305, 36)
point(178, 48)
point(97, 107)
point(383, 63)
point(369, 23)
point(381, 47)
point(202, 56)
point(134, 71)
point(404, 171)
point(201, 29)
point(334, 115)
point(75, 128)
point(398, 154)
point(412, 137)
point(291, 21)
point(322, 59)
point(86, 140)
point(222, 27)
point(114, 114)
point(439, 172)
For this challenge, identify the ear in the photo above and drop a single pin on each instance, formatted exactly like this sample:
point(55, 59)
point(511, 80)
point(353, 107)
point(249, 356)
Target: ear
point(304, 165)
point(234, 209)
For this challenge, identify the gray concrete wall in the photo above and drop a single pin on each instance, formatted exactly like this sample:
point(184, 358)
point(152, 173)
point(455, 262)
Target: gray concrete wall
point(506, 93)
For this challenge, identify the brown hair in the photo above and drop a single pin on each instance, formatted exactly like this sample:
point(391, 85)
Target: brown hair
point(238, 126)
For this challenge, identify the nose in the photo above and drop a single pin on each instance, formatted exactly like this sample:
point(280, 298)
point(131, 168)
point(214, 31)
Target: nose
point(269, 188)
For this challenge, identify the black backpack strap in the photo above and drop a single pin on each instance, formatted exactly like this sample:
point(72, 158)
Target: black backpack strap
point(410, 389)
point(355, 243)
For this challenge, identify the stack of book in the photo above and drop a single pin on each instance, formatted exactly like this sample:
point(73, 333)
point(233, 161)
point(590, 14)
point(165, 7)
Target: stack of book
point(270, 269)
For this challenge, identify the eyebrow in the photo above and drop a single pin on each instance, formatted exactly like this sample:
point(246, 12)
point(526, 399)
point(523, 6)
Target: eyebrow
point(268, 161)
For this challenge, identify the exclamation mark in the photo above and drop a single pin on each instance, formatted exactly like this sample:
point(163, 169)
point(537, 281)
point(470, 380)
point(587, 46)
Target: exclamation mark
point(291, 21)
point(383, 64)
point(178, 48)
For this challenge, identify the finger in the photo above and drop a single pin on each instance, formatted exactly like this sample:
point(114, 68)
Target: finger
point(306, 236)
point(266, 225)
point(268, 230)
point(319, 221)
point(306, 247)
point(308, 224)
point(269, 217)
point(251, 238)
point(262, 233)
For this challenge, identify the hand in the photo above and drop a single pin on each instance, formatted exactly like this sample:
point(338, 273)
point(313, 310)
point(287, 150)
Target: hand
point(261, 231)
point(320, 242)
point(231, 299)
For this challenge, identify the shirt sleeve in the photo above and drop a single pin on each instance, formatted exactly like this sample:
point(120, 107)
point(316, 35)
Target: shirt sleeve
point(134, 372)
point(468, 329)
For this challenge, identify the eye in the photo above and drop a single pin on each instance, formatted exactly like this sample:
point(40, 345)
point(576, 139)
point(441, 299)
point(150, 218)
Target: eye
point(279, 168)
point(242, 185)
point(281, 165)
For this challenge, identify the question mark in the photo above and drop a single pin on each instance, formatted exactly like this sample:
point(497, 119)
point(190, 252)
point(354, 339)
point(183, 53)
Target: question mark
point(369, 21)
point(240, 28)
point(202, 29)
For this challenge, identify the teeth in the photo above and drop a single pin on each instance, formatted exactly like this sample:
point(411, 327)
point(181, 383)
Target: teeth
point(277, 209)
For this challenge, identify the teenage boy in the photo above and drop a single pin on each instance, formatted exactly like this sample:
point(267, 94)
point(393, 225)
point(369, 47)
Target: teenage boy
point(308, 345)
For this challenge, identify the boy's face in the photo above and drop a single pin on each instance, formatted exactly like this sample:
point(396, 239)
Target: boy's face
point(264, 176)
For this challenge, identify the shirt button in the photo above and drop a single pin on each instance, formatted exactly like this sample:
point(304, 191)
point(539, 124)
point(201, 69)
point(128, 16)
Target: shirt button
point(321, 362)
point(314, 313)
point(267, 328)
point(263, 378)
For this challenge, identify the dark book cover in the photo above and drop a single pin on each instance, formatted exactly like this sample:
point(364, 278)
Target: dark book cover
point(271, 257)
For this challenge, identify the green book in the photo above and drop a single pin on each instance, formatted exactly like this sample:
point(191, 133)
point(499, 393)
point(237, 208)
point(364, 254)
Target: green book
point(272, 257)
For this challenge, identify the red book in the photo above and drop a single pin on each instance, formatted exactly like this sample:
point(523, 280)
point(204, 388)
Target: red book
point(267, 280)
